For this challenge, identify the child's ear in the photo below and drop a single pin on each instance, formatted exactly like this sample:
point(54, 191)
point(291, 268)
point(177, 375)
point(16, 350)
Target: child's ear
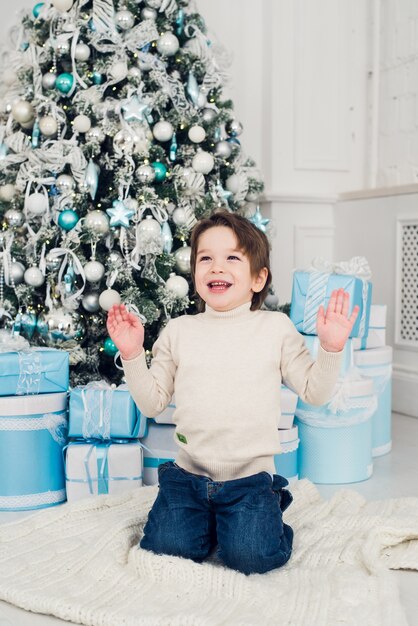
point(260, 280)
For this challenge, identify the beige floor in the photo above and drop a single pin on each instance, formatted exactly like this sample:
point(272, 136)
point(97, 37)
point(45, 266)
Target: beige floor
point(395, 475)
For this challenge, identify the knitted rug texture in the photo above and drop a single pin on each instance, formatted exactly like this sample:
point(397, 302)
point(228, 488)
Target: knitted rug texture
point(80, 562)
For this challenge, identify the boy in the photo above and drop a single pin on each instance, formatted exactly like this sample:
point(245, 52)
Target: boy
point(226, 365)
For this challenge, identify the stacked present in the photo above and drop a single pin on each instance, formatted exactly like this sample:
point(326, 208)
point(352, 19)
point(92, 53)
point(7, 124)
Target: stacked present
point(104, 454)
point(338, 440)
point(286, 463)
point(33, 424)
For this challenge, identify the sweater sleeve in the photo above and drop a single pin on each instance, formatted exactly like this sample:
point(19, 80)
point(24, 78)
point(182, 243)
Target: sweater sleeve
point(313, 381)
point(152, 388)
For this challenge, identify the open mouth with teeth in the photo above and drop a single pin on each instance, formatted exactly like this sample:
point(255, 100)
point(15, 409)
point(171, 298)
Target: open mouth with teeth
point(219, 286)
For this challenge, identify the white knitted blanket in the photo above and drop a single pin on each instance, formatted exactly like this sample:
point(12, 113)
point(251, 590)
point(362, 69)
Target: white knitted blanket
point(80, 562)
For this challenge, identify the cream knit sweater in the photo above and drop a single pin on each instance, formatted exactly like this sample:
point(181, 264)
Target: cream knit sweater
point(226, 369)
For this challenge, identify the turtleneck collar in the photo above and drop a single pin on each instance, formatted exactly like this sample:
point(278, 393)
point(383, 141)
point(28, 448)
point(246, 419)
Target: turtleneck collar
point(240, 312)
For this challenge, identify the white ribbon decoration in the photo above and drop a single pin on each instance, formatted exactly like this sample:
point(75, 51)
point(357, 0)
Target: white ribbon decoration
point(357, 266)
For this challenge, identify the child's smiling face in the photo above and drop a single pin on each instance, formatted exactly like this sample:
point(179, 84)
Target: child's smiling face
point(223, 275)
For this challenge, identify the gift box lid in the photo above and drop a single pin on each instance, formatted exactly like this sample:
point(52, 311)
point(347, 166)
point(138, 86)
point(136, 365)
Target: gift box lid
point(288, 434)
point(378, 314)
point(373, 356)
point(52, 360)
point(32, 405)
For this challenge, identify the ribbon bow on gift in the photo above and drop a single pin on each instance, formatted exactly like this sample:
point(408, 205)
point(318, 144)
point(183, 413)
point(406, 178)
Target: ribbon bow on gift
point(357, 266)
point(12, 343)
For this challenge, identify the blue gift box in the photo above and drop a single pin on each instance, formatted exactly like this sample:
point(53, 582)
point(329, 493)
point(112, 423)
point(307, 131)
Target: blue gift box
point(102, 412)
point(312, 343)
point(311, 289)
point(33, 432)
point(34, 371)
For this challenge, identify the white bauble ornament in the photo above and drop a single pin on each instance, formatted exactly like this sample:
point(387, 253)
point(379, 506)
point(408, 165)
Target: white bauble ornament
point(223, 149)
point(34, 277)
point(48, 80)
point(48, 126)
point(7, 192)
point(17, 272)
point(203, 162)
point(62, 5)
point(22, 111)
point(108, 298)
point(94, 271)
point(196, 134)
point(97, 221)
point(145, 174)
point(124, 19)
point(28, 125)
point(252, 196)
point(148, 14)
point(163, 131)
point(182, 256)
point(65, 183)
point(82, 52)
point(150, 226)
point(119, 70)
point(81, 123)
point(209, 115)
point(90, 302)
point(14, 217)
point(36, 203)
point(179, 217)
point(168, 44)
point(177, 285)
point(232, 183)
point(135, 72)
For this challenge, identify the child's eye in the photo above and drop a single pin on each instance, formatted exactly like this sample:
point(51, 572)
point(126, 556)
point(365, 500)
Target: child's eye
point(204, 258)
point(232, 256)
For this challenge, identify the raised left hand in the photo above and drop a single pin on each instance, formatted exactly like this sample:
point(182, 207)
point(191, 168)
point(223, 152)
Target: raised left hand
point(334, 326)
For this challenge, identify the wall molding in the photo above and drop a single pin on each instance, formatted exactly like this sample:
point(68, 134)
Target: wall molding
point(379, 192)
point(298, 198)
point(405, 390)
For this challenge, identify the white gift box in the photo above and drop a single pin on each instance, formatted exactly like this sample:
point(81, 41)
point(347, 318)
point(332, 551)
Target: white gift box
point(166, 416)
point(286, 463)
point(159, 447)
point(101, 468)
point(377, 329)
point(288, 402)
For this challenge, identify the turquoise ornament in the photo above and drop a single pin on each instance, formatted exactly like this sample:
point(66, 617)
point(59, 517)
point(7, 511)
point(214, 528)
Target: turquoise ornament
point(98, 78)
point(258, 220)
point(67, 219)
point(64, 82)
point(37, 9)
point(35, 134)
point(173, 148)
point(160, 171)
point(3, 151)
point(109, 347)
point(180, 22)
point(120, 214)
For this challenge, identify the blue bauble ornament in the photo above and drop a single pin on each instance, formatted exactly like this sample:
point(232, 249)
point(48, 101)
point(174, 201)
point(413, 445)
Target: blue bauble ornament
point(98, 78)
point(64, 82)
point(37, 9)
point(67, 219)
point(160, 171)
point(109, 347)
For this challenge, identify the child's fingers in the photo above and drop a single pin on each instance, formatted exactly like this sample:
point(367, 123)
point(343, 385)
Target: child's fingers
point(133, 320)
point(346, 303)
point(332, 302)
point(354, 315)
point(320, 320)
point(340, 301)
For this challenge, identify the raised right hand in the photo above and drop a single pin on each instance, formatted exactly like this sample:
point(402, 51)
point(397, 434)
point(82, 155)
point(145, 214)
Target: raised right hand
point(126, 331)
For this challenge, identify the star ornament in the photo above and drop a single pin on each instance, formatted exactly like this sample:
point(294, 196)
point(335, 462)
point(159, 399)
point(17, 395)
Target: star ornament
point(134, 110)
point(120, 214)
point(258, 220)
point(222, 193)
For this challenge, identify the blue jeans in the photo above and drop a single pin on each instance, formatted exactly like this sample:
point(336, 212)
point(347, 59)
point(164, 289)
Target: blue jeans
point(192, 514)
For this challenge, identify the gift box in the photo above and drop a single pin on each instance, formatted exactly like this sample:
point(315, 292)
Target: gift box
point(336, 438)
point(286, 463)
point(377, 363)
point(312, 343)
point(33, 371)
point(166, 416)
point(33, 432)
point(376, 337)
point(102, 468)
point(288, 402)
point(313, 288)
point(98, 411)
point(159, 447)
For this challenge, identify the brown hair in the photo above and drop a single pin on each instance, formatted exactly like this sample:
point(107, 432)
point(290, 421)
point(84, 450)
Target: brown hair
point(252, 241)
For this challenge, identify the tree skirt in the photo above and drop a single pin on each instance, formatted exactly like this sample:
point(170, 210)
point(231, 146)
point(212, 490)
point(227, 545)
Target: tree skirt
point(80, 562)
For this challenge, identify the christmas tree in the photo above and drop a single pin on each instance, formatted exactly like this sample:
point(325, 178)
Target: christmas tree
point(114, 139)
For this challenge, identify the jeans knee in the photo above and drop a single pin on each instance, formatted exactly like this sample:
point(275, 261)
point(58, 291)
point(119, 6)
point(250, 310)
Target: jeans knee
point(172, 545)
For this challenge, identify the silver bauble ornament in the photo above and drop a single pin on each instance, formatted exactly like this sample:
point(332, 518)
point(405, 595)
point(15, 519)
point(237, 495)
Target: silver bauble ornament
point(94, 271)
point(7, 192)
point(234, 128)
point(23, 111)
point(34, 277)
point(17, 272)
point(150, 226)
point(203, 162)
point(60, 325)
point(114, 257)
point(223, 149)
point(62, 48)
point(145, 174)
point(233, 183)
point(208, 115)
point(97, 221)
point(179, 216)
point(14, 217)
point(124, 141)
point(90, 302)
point(53, 263)
point(82, 123)
point(177, 285)
point(148, 14)
point(82, 52)
point(182, 256)
point(95, 135)
point(48, 126)
point(48, 80)
point(65, 184)
point(168, 44)
point(163, 131)
point(108, 298)
point(124, 19)
point(119, 70)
